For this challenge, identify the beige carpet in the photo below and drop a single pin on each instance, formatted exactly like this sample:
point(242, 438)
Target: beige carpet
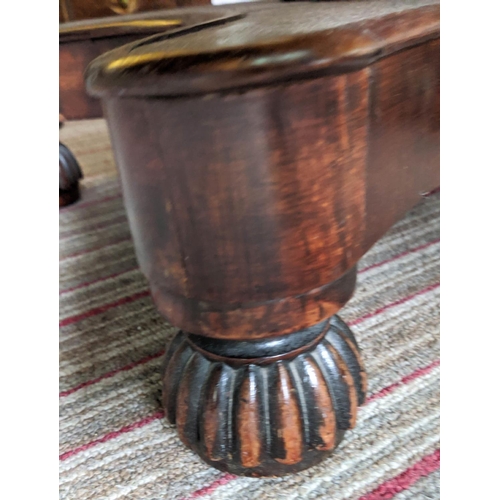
point(114, 441)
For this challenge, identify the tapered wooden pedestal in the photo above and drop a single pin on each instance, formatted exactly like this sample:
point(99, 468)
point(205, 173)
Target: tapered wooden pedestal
point(260, 159)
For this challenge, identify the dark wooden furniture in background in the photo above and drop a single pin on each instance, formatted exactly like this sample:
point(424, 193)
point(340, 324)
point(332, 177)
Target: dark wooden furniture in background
point(69, 174)
point(82, 41)
point(260, 159)
point(76, 10)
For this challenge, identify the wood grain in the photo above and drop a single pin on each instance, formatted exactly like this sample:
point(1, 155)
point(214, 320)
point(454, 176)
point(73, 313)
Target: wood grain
point(259, 160)
point(249, 208)
point(289, 426)
point(249, 422)
point(274, 214)
point(211, 412)
point(403, 147)
point(262, 418)
point(325, 430)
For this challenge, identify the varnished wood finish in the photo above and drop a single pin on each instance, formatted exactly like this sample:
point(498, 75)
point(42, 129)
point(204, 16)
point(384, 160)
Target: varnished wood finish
point(260, 159)
point(249, 421)
point(271, 44)
point(267, 417)
point(260, 238)
point(403, 162)
point(289, 423)
point(323, 435)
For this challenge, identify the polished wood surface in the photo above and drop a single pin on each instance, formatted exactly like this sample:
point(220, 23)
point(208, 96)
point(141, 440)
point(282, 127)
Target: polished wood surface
point(270, 44)
point(267, 415)
point(403, 148)
point(260, 159)
point(251, 208)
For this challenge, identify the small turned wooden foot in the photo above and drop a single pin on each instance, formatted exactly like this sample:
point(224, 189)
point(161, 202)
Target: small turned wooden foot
point(267, 407)
point(69, 175)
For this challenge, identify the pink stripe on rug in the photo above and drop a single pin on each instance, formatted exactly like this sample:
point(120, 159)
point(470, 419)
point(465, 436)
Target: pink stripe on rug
point(156, 416)
point(396, 257)
point(226, 478)
point(112, 435)
point(119, 219)
point(99, 310)
point(417, 373)
point(95, 249)
point(88, 283)
point(389, 489)
point(124, 300)
point(109, 306)
point(394, 304)
point(111, 373)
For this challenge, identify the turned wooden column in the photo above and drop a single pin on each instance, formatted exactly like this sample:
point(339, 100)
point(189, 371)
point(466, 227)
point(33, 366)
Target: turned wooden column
point(260, 160)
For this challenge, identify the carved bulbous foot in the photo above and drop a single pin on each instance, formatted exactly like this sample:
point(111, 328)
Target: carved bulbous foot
point(267, 407)
point(69, 175)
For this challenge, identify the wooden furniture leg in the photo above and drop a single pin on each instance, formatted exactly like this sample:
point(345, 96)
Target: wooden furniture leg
point(69, 175)
point(265, 407)
point(259, 161)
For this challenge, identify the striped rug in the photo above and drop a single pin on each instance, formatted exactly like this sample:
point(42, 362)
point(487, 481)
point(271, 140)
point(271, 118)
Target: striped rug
point(114, 441)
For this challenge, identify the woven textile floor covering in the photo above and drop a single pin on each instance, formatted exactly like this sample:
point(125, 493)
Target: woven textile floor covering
point(115, 442)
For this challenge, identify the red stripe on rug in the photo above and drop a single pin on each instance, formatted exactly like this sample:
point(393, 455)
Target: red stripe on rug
point(417, 373)
point(396, 257)
point(403, 481)
point(98, 310)
point(101, 309)
point(95, 249)
point(84, 204)
point(226, 478)
point(112, 435)
point(111, 373)
point(394, 304)
point(124, 300)
point(120, 219)
point(88, 283)
point(156, 416)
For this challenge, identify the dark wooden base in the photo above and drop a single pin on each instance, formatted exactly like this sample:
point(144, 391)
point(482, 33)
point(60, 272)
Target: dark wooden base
point(268, 407)
point(69, 175)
